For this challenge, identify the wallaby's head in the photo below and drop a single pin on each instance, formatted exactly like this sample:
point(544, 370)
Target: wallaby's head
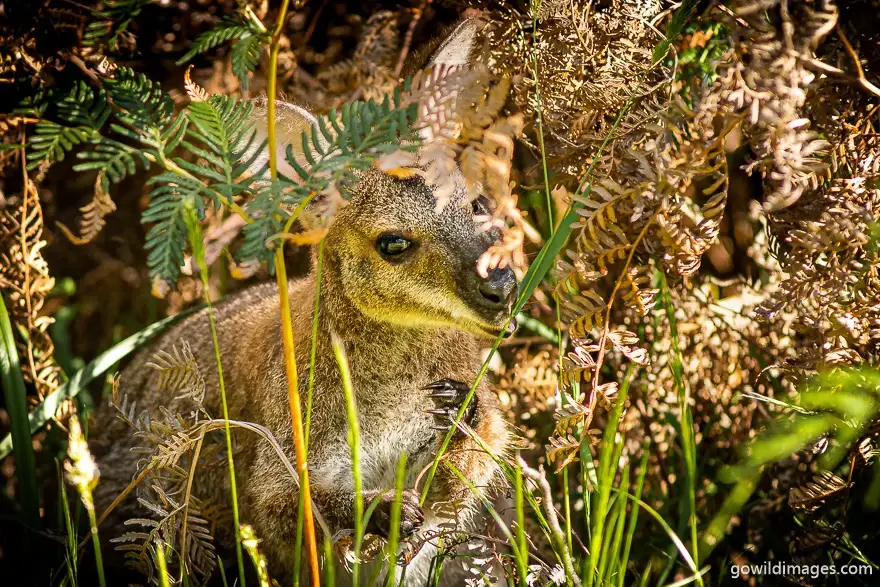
point(399, 259)
point(397, 256)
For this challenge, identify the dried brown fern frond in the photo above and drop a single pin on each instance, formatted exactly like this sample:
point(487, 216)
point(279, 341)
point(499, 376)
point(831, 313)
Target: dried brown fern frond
point(179, 374)
point(772, 86)
point(824, 240)
point(26, 282)
point(822, 489)
point(650, 185)
point(468, 147)
point(12, 133)
point(563, 450)
point(575, 71)
point(93, 214)
point(163, 529)
point(635, 291)
point(173, 448)
point(369, 73)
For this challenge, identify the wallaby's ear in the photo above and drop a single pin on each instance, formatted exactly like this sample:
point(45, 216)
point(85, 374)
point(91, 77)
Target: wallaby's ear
point(460, 46)
point(291, 122)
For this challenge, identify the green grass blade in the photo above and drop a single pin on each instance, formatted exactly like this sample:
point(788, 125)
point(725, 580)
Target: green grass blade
point(70, 558)
point(521, 565)
point(354, 442)
point(609, 455)
point(329, 568)
point(677, 542)
point(222, 571)
point(613, 552)
point(514, 546)
point(676, 26)
point(733, 503)
point(194, 231)
point(16, 405)
point(394, 537)
point(634, 514)
point(688, 434)
point(162, 564)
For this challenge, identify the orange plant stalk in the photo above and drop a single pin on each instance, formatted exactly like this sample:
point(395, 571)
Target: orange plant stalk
point(286, 322)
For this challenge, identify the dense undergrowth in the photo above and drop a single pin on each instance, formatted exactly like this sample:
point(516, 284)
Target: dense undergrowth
point(689, 194)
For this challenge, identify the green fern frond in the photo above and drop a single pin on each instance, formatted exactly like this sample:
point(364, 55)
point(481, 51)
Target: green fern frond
point(236, 27)
point(52, 141)
point(220, 124)
point(216, 128)
point(81, 113)
point(82, 106)
point(248, 38)
point(166, 240)
point(267, 210)
point(141, 104)
point(113, 22)
point(341, 143)
point(113, 160)
point(245, 56)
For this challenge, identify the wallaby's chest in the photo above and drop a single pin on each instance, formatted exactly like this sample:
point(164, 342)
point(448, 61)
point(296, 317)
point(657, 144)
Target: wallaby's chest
point(401, 426)
point(392, 409)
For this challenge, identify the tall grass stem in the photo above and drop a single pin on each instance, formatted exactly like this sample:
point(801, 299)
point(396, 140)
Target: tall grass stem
point(194, 231)
point(286, 320)
point(15, 395)
point(96, 543)
point(522, 569)
point(394, 534)
point(354, 442)
point(688, 434)
point(313, 354)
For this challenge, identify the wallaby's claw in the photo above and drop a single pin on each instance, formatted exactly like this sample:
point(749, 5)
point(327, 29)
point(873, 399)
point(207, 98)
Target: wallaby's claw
point(454, 392)
point(411, 516)
point(448, 396)
point(448, 389)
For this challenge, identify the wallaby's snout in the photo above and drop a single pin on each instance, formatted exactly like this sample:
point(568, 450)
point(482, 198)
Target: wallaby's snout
point(492, 297)
point(497, 290)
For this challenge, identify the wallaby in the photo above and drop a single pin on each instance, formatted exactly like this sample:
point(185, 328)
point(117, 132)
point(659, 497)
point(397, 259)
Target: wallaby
point(400, 288)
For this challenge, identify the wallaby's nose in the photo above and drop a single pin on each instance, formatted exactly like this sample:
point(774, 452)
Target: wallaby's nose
point(498, 287)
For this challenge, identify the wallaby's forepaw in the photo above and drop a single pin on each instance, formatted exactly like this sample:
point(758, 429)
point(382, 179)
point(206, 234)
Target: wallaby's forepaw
point(411, 516)
point(449, 396)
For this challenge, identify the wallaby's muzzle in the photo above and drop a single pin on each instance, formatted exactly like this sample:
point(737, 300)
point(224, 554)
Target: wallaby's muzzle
point(498, 289)
point(492, 297)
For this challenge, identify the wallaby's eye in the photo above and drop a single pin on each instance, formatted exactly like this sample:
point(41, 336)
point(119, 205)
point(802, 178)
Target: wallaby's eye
point(480, 206)
point(392, 245)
